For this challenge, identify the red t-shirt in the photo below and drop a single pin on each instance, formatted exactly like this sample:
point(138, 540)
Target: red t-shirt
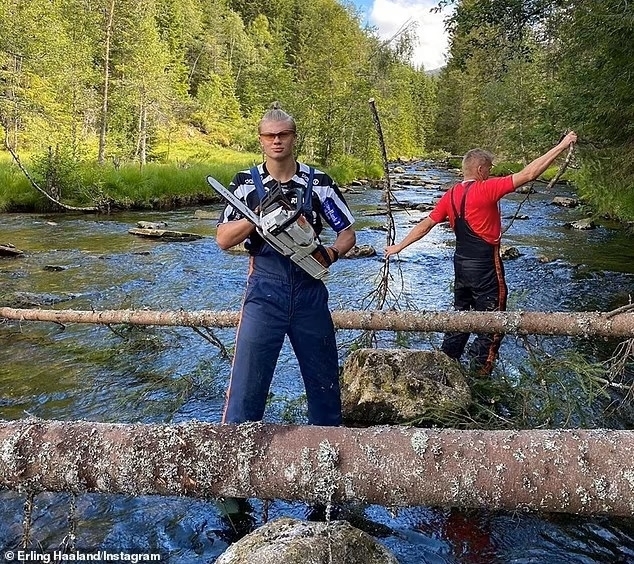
point(482, 211)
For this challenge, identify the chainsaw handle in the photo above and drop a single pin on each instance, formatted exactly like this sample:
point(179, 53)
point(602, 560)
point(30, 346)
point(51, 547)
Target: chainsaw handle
point(293, 217)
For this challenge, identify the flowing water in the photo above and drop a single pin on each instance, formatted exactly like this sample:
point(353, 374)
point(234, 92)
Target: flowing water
point(172, 374)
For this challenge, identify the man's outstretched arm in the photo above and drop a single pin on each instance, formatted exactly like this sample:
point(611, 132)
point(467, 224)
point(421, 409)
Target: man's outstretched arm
point(533, 169)
point(418, 232)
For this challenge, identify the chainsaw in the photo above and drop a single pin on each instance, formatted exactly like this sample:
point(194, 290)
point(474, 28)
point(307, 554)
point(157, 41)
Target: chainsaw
point(285, 229)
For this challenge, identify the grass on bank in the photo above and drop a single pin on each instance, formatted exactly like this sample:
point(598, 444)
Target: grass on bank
point(158, 184)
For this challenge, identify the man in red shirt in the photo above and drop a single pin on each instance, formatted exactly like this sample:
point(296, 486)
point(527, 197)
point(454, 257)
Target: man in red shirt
point(472, 208)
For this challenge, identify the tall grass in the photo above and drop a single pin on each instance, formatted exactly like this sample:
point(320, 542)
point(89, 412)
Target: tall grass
point(128, 185)
point(158, 184)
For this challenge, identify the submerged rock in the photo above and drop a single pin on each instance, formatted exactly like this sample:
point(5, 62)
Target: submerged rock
point(290, 541)
point(30, 299)
point(385, 386)
point(565, 202)
point(151, 224)
point(204, 214)
point(359, 251)
point(581, 224)
point(509, 253)
point(165, 234)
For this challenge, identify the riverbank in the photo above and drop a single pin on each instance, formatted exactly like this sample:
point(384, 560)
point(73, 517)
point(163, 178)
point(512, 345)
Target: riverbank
point(176, 183)
point(180, 183)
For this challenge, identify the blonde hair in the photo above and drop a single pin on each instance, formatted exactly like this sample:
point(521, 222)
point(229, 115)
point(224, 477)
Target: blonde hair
point(276, 113)
point(475, 158)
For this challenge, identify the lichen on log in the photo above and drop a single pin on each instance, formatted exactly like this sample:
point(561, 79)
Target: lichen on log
point(572, 471)
point(584, 324)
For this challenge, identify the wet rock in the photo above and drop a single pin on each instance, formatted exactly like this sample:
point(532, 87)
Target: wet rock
point(398, 170)
point(151, 224)
point(581, 224)
point(55, 267)
point(238, 249)
point(424, 207)
point(359, 251)
point(30, 299)
point(518, 216)
point(525, 189)
point(565, 202)
point(290, 541)
point(509, 253)
point(386, 386)
point(203, 214)
point(165, 235)
point(9, 250)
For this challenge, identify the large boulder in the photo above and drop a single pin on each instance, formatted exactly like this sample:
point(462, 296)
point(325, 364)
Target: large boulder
point(385, 386)
point(290, 541)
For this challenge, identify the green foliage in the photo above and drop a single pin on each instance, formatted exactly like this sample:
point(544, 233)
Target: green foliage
point(521, 72)
point(347, 168)
point(214, 65)
point(605, 181)
point(16, 194)
point(562, 391)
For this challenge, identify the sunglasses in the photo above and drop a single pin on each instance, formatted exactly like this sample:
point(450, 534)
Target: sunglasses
point(283, 135)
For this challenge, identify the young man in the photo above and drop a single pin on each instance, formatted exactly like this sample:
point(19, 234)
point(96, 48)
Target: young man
point(472, 208)
point(282, 299)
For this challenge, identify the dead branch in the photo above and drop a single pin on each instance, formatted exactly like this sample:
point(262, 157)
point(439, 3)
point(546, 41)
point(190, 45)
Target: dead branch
point(562, 168)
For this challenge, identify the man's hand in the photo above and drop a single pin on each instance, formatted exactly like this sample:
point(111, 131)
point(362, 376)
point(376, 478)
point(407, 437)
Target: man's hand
point(392, 250)
point(569, 139)
point(325, 255)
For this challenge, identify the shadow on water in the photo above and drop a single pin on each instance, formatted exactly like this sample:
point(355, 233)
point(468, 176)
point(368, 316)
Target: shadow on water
point(121, 374)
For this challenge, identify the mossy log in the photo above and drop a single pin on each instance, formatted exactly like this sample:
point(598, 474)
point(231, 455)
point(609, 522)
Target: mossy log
point(618, 324)
point(571, 471)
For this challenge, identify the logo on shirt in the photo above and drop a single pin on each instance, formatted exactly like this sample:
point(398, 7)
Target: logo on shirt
point(333, 214)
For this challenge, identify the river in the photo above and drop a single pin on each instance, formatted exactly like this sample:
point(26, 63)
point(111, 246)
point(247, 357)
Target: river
point(172, 374)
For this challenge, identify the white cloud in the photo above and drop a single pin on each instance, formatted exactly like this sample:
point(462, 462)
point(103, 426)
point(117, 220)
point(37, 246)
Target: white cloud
point(388, 16)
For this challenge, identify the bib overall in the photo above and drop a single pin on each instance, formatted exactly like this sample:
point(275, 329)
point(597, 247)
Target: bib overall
point(282, 299)
point(478, 285)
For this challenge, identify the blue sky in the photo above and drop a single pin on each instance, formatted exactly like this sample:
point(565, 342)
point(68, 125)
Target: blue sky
point(388, 16)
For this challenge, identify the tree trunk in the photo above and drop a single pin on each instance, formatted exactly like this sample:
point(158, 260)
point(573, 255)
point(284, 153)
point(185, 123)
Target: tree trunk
point(101, 158)
point(618, 324)
point(571, 471)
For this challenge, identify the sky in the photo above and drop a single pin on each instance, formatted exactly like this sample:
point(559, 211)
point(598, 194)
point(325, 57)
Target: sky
point(388, 16)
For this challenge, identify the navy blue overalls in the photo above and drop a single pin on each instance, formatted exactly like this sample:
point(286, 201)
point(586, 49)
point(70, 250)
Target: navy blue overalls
point(282, 299)
point(479, 285)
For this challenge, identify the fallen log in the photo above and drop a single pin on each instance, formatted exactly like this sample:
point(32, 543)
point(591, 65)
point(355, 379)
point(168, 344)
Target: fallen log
point(585, 324)
point(571, 471)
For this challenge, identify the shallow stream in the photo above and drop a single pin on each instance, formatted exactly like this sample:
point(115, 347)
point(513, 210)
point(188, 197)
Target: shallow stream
point(172, 374)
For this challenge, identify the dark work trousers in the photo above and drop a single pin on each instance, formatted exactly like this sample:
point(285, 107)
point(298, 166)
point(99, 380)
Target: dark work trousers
point(478, 285)
point(281, 299)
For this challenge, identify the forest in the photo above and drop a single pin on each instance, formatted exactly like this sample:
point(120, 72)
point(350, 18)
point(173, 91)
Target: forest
point(90, 87)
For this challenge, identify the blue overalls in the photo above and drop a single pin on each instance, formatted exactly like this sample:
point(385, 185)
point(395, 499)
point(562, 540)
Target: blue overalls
point(282, 299)
point(478, 285)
